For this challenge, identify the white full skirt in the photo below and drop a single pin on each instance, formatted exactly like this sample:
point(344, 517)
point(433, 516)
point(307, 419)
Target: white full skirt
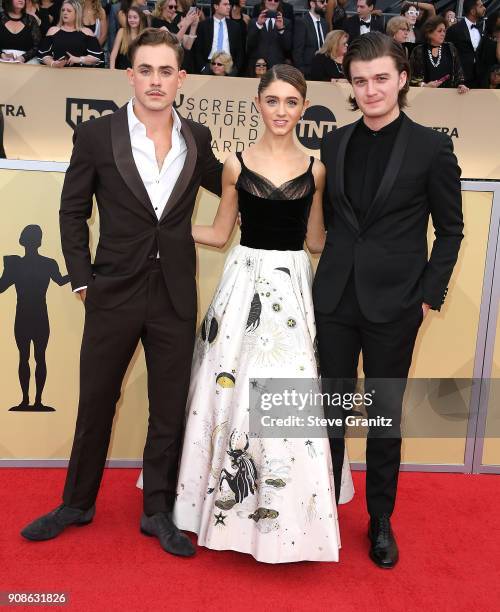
point(272, 498)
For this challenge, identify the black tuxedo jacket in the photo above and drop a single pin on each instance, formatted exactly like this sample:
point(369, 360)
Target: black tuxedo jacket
point(459, 35)
point(130, 234)
point(270, 45)
point(305, 42)
point(352, 26)
point(204, 42)
point(388, 251)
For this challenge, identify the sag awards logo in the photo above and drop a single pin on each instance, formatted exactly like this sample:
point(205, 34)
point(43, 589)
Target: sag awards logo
point(316, 123)
point(234, 122)
point(79, 110)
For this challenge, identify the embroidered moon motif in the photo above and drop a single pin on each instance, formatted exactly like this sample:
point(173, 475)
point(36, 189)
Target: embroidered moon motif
point(225, 380)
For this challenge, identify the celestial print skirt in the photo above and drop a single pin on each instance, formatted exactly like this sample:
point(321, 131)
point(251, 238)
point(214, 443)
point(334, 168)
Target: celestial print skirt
point(273, 497)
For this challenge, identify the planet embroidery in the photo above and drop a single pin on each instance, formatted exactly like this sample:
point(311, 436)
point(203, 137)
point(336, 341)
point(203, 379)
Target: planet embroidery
point(225, 380)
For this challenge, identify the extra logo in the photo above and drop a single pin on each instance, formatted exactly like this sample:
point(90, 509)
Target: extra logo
point(317, 121)
point(79, 110)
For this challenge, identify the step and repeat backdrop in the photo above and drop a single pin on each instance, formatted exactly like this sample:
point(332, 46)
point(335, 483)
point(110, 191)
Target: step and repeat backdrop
point(41, 108)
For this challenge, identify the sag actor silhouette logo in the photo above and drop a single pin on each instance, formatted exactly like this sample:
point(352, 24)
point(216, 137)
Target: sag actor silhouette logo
point(316, 123)
point(79, 110)
point(30, 275)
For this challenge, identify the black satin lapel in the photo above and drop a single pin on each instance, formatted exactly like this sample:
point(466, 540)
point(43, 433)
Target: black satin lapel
point(187, 171)
point(122, 152)
point(340, 194)
point(391, 171)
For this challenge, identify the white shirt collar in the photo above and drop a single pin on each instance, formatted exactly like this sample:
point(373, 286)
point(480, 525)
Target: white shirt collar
point(134, 122)
point(219, 20)
point(368, 19)
point(314, 17)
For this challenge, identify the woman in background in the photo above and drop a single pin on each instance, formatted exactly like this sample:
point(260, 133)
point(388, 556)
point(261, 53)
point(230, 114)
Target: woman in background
point(416, 14)
point(436, 63)
point(136, 23)
point(94, 18)
point(221, 64)
point(19, 33)
point(399, 29)
point(326, 65)
point(70, 43)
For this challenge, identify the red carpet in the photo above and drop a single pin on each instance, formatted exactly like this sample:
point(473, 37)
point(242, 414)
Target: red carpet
point(447, 527)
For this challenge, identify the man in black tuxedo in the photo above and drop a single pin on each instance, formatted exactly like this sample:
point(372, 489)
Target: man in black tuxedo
point(144, 164)
point(467, 36)
point(269, 36)
point(365, 21)
point(375, 282)
point(218, 33)
point(309, 35)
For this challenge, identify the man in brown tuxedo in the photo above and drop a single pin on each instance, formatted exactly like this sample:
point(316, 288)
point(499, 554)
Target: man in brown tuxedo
point(144, 164)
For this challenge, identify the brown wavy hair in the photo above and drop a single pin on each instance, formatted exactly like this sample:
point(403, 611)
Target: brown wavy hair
point(372, 46)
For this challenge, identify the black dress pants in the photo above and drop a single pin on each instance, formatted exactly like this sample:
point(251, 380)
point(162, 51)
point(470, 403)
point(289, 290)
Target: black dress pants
point(110, 338)
point(387, 350)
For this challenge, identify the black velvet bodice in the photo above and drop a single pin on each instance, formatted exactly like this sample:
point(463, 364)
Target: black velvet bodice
point(274, 218)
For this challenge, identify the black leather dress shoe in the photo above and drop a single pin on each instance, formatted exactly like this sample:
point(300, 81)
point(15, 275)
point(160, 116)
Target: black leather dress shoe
point(383, 550)
point(171, 539)
point(54, 523)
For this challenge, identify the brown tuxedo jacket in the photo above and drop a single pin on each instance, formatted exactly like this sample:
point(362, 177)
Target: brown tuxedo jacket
point(130, 234)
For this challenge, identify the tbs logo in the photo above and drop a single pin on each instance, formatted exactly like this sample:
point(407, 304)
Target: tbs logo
point(78, 110)
point(316, 123)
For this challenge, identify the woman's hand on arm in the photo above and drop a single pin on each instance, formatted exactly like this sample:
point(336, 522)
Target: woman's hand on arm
point(316, 234)
point(219, 232)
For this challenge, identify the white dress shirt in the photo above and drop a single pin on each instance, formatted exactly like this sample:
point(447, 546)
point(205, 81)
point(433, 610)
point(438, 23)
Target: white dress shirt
point(364, 29)
point(159, 182)
point(475, 34)
point(225, 40)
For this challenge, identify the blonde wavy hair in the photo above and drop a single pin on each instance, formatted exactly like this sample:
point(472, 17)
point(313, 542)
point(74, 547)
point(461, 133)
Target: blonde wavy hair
point(77, 7)
point(158, 10)
point(332, 42)
point(95, 5)
point(395, 24)
point(223, 58)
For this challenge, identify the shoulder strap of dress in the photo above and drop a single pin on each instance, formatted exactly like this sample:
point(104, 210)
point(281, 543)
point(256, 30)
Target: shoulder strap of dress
point(240, 158)
point(312, 158)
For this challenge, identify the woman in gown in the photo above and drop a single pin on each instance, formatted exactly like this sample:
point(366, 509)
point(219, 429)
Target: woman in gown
point(272, 498)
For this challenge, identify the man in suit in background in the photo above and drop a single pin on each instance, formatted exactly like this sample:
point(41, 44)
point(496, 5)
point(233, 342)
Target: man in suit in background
point(309, 35)
point(218, 33)
point(365, 21)
point(144, 164)
point(467, 36)
point(269, 36)
point(375, 282)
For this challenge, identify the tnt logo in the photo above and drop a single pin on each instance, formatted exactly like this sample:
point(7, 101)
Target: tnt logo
point(78, 110)
point(317, 121)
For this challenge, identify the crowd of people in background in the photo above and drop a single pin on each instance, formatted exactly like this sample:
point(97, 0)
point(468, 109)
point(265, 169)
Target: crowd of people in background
point(233, 39)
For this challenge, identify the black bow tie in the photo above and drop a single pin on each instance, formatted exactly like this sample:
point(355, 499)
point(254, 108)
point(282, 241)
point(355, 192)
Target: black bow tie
point(365, 23)
point(477, 26)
